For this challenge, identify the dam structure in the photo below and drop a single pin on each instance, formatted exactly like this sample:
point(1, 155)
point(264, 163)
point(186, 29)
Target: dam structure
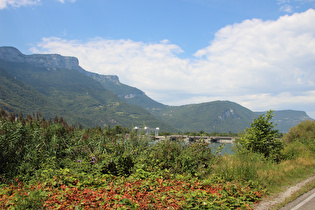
point(207, 139)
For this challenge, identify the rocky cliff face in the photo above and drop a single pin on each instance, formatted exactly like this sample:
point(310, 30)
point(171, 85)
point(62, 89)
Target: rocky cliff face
point(54, 61)
point(102, 78)
point(228, 113)
point(51, 61)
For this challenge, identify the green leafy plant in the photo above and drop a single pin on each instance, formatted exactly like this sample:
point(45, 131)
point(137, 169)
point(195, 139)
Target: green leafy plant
point(29, 199)
point(261, 137)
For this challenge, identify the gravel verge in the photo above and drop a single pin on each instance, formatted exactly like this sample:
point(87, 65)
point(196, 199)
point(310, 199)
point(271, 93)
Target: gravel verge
point(271, 201)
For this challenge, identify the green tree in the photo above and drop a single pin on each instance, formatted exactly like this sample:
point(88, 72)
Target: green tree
point(118, 129)
point(261, 137)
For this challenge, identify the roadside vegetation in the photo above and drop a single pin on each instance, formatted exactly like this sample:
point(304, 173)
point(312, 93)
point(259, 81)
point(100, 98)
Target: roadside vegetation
point(48, 164)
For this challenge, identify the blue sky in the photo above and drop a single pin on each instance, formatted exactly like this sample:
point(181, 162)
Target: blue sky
point(260, 54)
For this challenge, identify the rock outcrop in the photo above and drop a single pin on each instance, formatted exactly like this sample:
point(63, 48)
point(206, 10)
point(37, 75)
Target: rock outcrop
point(54, 61)
point(51, 61)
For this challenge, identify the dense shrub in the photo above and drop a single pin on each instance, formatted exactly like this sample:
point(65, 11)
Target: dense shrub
point(300, 136)
point(304, 130)
point(26, 144)
point(180, 157)
point(33, 144)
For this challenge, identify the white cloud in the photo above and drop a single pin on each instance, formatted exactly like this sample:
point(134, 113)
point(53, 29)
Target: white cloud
point(20, 3)
point(283, 1)
point(17, 3)
point(63, 1)
point(259, 64)
point(289, 6)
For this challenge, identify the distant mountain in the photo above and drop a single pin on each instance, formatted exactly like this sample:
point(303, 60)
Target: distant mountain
point(217, 116)
point(60, 87)
point(57, 85)
point(285, 119)
point(197, 117)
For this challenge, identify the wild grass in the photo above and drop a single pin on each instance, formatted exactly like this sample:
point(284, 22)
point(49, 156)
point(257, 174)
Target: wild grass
point(298, 163)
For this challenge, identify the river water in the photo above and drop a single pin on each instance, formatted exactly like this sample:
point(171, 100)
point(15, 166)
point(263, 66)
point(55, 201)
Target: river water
point(226, 150)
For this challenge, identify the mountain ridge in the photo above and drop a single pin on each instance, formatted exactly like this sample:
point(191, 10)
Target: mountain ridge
point(53, 61)
point(215, 116)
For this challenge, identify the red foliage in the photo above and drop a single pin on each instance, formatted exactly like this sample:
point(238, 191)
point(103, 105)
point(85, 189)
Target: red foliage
point(137, 193)
point(142, 194)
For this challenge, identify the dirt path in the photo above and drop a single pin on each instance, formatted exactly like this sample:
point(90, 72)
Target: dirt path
point(273, 200)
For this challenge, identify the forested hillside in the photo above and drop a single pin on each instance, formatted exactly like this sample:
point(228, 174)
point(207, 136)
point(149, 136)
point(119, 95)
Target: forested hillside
point(67, 93)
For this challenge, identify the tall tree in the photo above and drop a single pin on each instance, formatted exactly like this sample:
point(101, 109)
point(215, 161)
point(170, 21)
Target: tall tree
point(261, 137)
